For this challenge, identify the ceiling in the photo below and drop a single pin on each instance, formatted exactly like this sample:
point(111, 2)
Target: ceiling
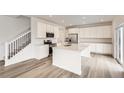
point(69, 20)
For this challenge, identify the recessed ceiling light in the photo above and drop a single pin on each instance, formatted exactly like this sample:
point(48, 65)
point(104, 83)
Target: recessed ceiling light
point(83, 17)
point(70, 24)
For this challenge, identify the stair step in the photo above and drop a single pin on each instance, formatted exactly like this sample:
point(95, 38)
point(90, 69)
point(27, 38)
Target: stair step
point(2, 62)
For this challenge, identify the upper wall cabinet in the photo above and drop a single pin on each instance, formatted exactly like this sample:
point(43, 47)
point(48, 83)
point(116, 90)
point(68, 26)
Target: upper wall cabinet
point(73, 30)
point(96, 32)
point(108, 32)
point(50, 28)
point(41, 30)
point(56, 31)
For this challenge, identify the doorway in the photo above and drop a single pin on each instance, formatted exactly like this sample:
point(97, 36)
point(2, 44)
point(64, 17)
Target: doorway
point(120, 44)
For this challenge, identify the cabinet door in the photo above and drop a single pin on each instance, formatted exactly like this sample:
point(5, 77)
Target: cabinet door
point(41, 51)
point(99, 32)
point(81, 33)
point(49, 28)
point(73, 30)
point(99, 48)
point(87, 33)
point(108, 32)
point(41, 30)
point(70, 31)
point(84, 32)
point(93, 48)
point(92, 32)
point(56, 31)
point(107, 48)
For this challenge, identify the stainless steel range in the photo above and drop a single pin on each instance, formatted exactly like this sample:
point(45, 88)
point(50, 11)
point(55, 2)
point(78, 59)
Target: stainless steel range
point(51, 45)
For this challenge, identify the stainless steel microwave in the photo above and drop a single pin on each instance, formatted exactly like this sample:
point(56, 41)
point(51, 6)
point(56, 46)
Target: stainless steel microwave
point(50, 35)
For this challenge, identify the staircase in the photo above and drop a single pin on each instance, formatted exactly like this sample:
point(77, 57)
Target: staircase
point(14, 47)
point(2, 63)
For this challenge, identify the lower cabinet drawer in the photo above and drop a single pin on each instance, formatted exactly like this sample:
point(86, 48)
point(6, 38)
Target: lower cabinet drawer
point(101, 48)
point(107, 49)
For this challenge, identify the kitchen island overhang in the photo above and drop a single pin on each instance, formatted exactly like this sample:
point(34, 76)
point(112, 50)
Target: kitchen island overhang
point(69, 57)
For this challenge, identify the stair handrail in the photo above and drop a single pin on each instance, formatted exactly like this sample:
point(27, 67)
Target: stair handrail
point(8, 43)
point(20, 34)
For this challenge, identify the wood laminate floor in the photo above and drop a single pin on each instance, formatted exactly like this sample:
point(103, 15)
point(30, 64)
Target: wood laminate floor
point(98, 66)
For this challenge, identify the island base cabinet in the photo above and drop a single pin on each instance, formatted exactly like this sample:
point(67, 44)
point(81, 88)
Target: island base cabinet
point(41, 51)
point(67, 60)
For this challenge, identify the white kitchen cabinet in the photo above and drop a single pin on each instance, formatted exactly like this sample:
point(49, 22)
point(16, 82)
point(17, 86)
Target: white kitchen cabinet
point(95, 32)
point(86, 32)
point(99, 48)
point(52, 29)
point(41, 30)
point(104, 32)
point(49, 28)
point(103, 48)
point(73, 31)
point(107, 32)
point(107, 48)
point(93, 48)
point(56, 31)
point(99, 32)
point(41, 51)
point(91, 33)
point(83, 32)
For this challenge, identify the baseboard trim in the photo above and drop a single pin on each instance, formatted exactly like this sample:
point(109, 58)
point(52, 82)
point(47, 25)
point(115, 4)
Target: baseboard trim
point(102, 54)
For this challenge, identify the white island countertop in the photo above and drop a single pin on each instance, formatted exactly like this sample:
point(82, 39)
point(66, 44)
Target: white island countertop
point(69, 57)
point(73, 47)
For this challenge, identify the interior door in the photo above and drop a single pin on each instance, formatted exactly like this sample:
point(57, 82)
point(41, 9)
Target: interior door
point(120, 45)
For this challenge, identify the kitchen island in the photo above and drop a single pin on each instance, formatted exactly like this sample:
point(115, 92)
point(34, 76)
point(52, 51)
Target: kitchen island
point(69, 57)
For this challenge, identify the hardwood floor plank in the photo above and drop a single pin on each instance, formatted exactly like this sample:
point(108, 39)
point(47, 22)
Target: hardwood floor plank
point(98, 66)
point(36, 71)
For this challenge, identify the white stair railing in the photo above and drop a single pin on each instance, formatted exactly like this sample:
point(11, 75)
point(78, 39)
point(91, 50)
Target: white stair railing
point(15, 46)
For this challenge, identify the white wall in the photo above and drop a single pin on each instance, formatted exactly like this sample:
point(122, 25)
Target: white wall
point(2, 51)
point(11, 26)
point(116, 22)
